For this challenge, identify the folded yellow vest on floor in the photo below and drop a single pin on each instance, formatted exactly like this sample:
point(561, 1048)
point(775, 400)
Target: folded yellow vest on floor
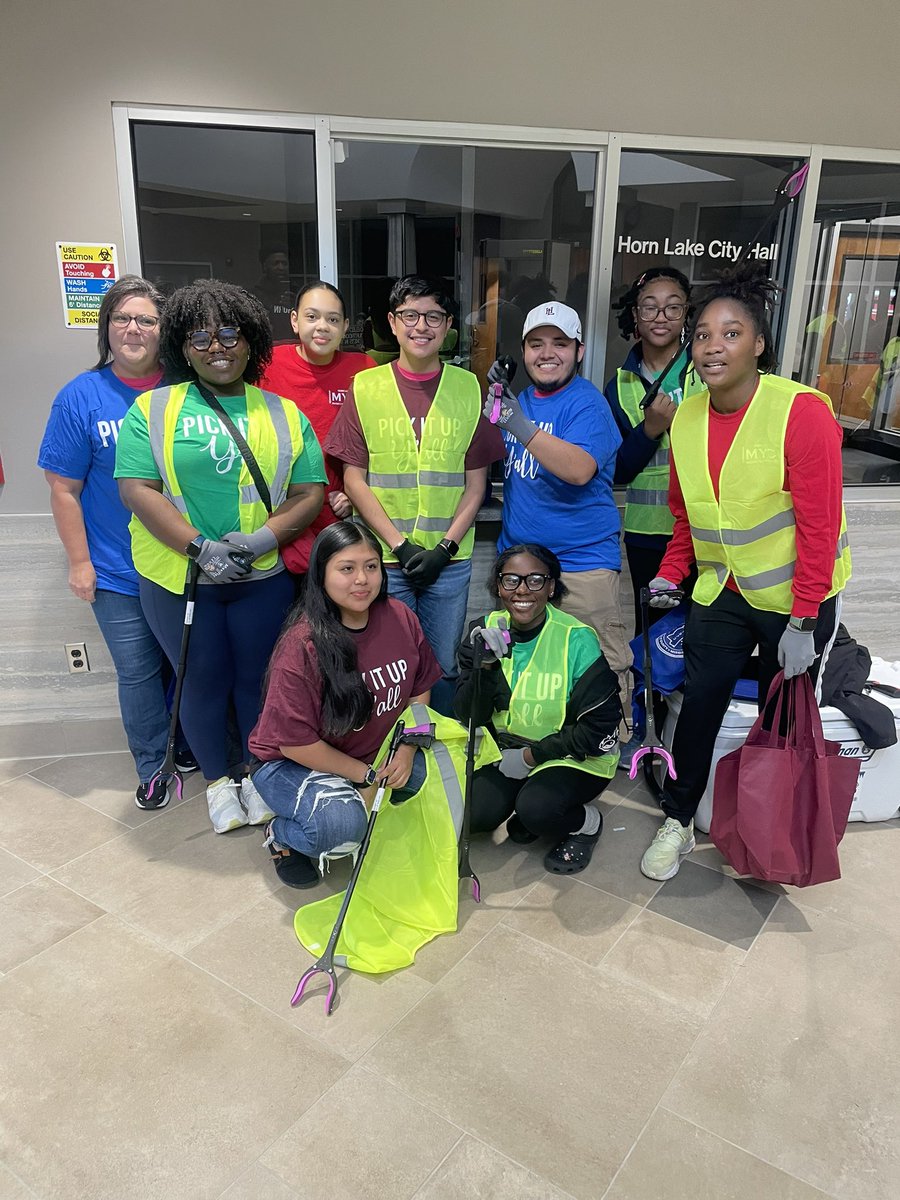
point(408, 888)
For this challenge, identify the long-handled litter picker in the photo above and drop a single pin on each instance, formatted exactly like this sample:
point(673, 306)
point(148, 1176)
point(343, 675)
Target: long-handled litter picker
point(651, 747)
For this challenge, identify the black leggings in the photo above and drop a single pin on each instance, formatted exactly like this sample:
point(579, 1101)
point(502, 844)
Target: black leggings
point(549, 803)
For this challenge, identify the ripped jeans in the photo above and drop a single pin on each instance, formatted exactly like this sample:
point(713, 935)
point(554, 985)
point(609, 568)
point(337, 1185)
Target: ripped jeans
point(317, 813)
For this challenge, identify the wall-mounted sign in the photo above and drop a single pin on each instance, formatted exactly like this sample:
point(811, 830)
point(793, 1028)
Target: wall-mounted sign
point(717, 248)
point(86, 273)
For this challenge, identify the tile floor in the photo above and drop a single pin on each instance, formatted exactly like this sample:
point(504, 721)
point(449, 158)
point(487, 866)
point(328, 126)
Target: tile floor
point(598, 1037)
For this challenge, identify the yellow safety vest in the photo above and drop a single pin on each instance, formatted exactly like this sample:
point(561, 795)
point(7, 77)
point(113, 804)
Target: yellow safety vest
point(419, 487)
point(409, 885)
point(274, 436)
point(749, 532)
point(647, 496)
point(537, 706)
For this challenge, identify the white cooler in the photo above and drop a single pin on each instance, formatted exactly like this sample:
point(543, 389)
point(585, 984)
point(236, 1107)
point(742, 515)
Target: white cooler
point(878, 791)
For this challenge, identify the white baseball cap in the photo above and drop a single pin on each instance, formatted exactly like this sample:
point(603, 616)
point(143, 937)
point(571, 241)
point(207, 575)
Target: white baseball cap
point(553, 313)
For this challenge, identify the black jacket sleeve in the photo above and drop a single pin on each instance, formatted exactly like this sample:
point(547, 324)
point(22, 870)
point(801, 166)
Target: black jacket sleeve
point(492, 690)
point(637, 447)
point(591, 725)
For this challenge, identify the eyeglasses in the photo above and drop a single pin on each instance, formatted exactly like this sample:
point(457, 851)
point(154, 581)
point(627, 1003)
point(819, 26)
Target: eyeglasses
point(227, 336)
point(672, 311)
point(533, 582)
point(411, 317)
point(142, 320)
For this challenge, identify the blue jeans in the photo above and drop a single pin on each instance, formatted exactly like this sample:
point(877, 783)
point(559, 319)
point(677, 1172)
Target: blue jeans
point(138, 659)
point(441, 609)
point(317, 813)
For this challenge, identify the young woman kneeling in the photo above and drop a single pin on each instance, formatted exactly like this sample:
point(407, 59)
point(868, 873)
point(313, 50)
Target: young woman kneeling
point(347, 664)
point(552, 700)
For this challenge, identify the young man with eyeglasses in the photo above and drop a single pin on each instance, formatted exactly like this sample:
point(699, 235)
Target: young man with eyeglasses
point(416, 452)
point(561, 444)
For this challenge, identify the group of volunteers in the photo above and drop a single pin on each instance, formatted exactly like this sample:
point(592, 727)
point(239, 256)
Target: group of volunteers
point(326, 507)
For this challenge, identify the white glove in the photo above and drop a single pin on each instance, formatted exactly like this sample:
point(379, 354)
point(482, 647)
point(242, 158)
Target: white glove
point(796, 651)
point(661, 585)
point(513, 764)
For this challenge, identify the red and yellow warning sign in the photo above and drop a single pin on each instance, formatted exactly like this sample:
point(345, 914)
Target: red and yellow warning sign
point(86, 273)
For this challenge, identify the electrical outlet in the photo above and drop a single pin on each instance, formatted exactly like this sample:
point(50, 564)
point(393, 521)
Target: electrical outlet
point(76, 654)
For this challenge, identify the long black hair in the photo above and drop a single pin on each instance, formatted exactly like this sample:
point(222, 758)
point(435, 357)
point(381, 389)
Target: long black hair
point(213, 302)
point(749, 287)
point(122, 290)
point(550, 563)
point(346, 701)
point(628, 303)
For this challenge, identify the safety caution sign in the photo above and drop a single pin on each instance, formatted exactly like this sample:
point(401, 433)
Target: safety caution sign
point(86, 273)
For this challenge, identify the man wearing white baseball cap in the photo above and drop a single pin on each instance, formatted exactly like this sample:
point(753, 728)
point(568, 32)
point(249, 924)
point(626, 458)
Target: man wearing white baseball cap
point(561, 442)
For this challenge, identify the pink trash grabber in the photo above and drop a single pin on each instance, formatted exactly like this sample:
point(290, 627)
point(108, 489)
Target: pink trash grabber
point(651, 746)
point(508, 367)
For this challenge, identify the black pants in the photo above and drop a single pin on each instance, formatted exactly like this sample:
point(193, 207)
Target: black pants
point(550, 803)
point(718, 640)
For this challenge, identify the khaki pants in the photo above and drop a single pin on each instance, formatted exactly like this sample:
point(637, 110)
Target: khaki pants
point(594, 598)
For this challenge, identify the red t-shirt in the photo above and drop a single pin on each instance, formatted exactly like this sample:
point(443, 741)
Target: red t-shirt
point(319, 393)
point(347, 442)
point(813, 474)
point(396, 663)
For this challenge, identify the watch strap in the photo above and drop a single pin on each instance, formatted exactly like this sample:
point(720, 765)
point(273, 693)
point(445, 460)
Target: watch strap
point(450, 546)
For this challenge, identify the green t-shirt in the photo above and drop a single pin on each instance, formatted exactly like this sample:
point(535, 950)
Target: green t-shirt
point(207, 462)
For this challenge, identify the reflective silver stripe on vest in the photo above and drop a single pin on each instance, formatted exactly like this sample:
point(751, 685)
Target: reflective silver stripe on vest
point(744, 537)
point(721, 572)
point(156, 428)
point(279, 485)
point(432, 524)
point(449, 778)
point(764, 579)
point(843, 544)
point(660, 458)
point(646, 496)
point(454, 479)
point(382, 479)
point(404, 524)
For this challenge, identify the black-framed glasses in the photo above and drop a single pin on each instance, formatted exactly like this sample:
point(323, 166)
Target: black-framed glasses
point(122, 320)
point(411, 317)
point(672, 312)
point(534, 582)
point(227, 336)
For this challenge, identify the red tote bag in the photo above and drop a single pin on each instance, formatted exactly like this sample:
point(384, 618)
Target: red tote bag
point(781, 801)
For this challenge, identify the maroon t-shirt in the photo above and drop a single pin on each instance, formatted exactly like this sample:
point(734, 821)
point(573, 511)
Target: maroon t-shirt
point(395, 661)
point(346, 440)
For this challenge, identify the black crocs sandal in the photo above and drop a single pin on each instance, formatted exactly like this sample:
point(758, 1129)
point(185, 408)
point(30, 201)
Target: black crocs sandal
point(516, 832)
point(573, 853)
point(291, 867)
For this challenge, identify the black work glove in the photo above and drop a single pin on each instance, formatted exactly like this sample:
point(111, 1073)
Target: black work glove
point(425, 566)
point(405, 552)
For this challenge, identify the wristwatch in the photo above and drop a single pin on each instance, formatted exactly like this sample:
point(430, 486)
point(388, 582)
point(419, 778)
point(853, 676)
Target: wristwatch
point(193, 548)
point(803, 624)
point(451, 547)
point(370, 778)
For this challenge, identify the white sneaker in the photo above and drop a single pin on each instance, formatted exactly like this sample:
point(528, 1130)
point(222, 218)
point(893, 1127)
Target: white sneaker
point(223, 801)
point(258, 813)
point(663, 856)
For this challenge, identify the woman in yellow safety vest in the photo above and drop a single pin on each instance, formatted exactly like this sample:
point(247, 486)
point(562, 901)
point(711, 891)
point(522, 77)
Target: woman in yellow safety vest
point(221, 473)
point(551, 699)
point(756, 490)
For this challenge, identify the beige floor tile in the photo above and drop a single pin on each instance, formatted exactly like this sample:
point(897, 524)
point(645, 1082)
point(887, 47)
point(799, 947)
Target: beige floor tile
point(258, 953)
point(472, 1169)
point(157, 1084)
point(12, 768)
point(800, 1063)
point(678, 1161)
point(46, 828)
point(707, 855)
point(174, 878)
point(485, 1049)
point(258, 1183)
point(38, 915)
point(363, 1140)
point(627, 832)
point(104, 782)
point(678, 964)
point(12, 1188)
point(573, 917)
point(14, 872)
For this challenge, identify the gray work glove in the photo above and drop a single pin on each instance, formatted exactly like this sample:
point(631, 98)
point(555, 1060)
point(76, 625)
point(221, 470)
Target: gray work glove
point(511, 418)
point(256, 544)
point(513, 764)
point(495, 638)
point(796, 651)
point(223, 563)
point(661, 585)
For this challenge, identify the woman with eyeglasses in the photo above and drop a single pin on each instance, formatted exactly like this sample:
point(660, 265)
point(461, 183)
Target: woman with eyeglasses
point(78, 456)
point(219, 473)
point(538, 679)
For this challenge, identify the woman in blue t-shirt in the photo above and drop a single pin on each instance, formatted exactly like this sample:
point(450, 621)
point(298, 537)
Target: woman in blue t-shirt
point(78, 456)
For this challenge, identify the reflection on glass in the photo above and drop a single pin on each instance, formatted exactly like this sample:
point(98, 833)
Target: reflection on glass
point(851, 341)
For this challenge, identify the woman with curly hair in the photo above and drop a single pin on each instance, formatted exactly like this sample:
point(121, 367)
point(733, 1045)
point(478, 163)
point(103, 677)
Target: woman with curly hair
point(221, 473)
point(756, 491)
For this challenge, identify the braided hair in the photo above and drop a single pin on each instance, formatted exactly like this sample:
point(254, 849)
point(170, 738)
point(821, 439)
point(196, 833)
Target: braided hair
point(213, 302)
point(627, 304)
point(748, 286)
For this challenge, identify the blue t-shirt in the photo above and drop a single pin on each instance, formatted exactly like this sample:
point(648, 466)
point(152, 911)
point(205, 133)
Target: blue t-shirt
point(80, 443)
point(579, 523)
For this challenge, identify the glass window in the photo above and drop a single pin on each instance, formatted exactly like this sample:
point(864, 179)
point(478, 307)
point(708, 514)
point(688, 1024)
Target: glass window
point(695, 212)
point(504, 228)
point(226, 203)
point(850, 346)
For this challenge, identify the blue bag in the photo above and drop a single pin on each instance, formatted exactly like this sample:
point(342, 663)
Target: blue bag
point(667, 660)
